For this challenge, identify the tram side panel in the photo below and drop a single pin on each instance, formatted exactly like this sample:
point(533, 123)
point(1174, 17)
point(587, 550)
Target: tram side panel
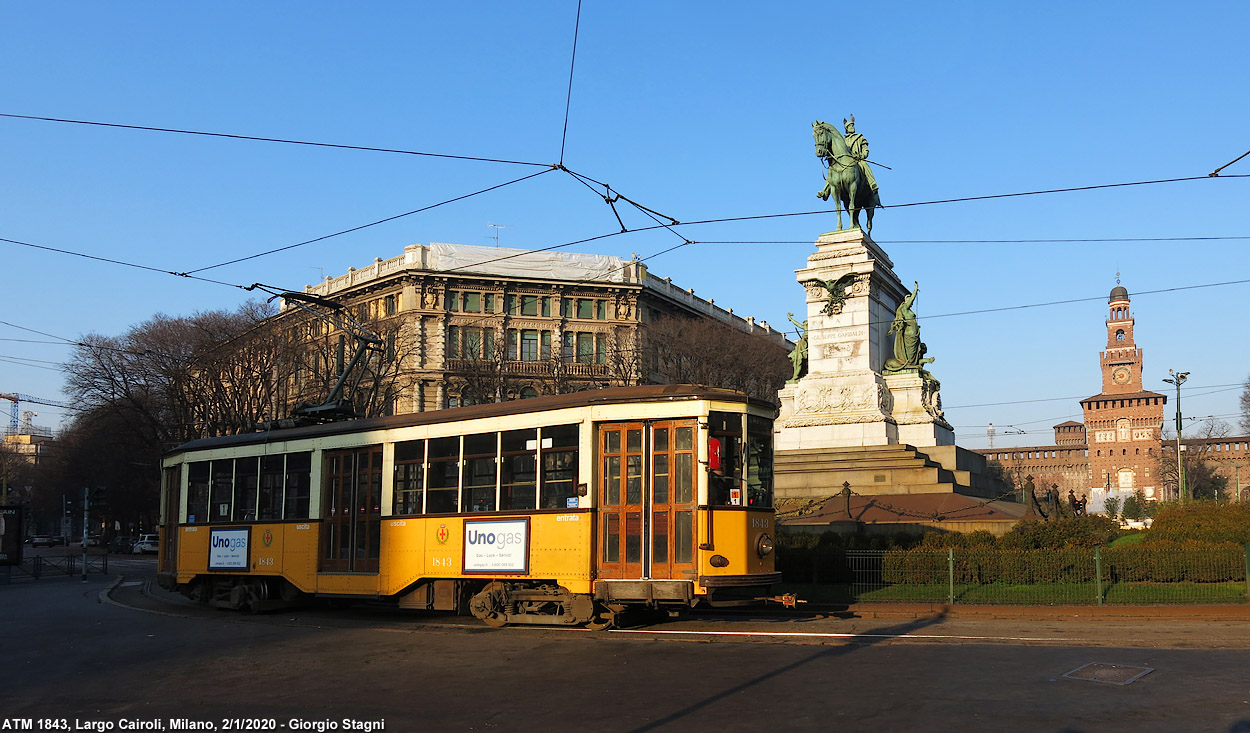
point(287, 550)
point(521, 547)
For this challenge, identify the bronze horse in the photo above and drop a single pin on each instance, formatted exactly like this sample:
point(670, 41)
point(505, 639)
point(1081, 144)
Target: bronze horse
point(844, 181)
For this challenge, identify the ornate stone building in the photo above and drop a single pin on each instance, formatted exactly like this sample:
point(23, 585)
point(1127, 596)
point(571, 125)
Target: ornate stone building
point(1118, 449)
point(473, 324)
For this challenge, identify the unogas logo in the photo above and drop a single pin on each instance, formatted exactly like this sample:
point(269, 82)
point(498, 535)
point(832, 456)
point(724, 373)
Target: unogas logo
point(500, 540)
point(228, 543)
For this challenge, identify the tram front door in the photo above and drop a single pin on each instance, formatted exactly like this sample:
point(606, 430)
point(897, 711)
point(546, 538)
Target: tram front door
point(647, 500)
point(351, 540)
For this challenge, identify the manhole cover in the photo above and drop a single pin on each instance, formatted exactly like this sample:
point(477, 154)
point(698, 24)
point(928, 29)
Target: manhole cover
point(1114, 674)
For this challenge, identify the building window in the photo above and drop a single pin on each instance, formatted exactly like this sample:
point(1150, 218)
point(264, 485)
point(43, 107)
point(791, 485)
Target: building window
point(529, 305)
point(585, 308)
point(545, 346)
point(585, 348)
point(471, 302)
point(546, 303)
point(453, 300)
point(529, 345)
point(488, 303)
point(566, 307)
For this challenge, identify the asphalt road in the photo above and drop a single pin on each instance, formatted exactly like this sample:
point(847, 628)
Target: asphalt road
point(71, 651)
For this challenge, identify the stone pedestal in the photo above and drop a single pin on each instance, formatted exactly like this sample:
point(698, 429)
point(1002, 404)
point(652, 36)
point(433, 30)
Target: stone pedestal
point(918, 410)
point(843, 399)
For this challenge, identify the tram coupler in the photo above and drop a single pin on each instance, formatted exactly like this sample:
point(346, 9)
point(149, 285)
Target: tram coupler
point(787, 600)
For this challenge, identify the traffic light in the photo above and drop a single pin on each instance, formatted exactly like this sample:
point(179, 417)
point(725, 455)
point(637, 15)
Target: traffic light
point(98, 499)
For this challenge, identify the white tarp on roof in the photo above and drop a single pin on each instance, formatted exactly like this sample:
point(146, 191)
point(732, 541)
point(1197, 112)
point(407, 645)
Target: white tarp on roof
point(522, 263)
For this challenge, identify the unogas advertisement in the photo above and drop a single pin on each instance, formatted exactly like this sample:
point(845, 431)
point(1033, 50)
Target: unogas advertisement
point(227, 548)
point(497, 546)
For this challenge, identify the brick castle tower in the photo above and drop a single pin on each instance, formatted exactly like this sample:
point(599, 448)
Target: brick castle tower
point(1123, 422)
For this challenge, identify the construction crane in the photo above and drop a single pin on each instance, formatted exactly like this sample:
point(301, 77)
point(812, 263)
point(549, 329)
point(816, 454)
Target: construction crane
point(17, 399)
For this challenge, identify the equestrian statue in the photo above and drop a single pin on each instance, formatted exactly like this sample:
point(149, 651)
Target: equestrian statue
point(848, 178)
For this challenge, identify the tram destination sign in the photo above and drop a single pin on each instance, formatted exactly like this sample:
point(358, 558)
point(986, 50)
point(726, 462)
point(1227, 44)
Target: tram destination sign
point(497, 545)
point(228, 548)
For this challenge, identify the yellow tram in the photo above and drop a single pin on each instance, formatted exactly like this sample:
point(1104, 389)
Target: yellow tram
point(557, 510)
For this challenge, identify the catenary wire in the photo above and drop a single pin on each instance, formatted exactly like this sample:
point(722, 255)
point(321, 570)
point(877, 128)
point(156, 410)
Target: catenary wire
point(568, 102)
point(370, 224)
point(272, 140)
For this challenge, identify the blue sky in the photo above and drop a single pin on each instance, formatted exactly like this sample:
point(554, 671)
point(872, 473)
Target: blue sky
point(696, 110)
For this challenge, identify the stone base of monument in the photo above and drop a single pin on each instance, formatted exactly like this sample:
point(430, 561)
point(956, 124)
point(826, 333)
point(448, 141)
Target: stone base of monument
point(895, 488)
point(843, 410)
point(917, 411)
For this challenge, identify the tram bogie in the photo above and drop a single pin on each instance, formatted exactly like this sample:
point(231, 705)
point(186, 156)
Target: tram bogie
point(566, 510)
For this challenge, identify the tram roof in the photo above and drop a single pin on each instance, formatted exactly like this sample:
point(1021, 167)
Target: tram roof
point(614, 395)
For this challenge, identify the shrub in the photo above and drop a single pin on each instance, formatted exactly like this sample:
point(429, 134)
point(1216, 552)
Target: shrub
point(1092, 530)
point(1203, 521)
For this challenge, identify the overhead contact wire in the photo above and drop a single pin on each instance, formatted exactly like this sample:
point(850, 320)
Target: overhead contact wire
point(568, 101)
point(370, 224)
point(274, 140)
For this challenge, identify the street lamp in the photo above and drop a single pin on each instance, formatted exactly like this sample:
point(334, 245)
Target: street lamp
point(1178, 380)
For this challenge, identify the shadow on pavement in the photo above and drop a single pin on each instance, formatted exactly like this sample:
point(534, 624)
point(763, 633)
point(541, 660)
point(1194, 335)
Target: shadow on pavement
point(854, 643)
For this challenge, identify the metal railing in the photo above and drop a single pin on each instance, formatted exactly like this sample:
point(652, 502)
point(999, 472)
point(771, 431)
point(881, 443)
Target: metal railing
point(38, 566)
point(1133, 574)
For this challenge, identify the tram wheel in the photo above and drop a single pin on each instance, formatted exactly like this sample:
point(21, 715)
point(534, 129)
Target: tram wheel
point(605, 617)
point(489, 605)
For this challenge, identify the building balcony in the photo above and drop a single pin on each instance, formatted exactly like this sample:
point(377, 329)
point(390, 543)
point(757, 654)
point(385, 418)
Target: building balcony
point(541, 369)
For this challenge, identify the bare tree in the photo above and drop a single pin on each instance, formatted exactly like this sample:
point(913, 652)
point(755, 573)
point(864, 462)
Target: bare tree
point(699, 351)
point(1245, 406)
point(1203, 479)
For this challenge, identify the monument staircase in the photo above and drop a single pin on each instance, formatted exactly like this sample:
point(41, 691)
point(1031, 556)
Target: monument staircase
point(882, 469)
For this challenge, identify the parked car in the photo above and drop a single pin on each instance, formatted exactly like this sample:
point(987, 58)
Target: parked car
point(145, 546)
point(42, 540)
point(121, 544)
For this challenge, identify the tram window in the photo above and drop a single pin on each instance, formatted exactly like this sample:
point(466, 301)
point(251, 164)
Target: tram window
point(633, 537)
point(760, 470)
point(683, 537)
point(409, 477)
point(518, 482)
point(197, 492)
point(611, 538)
point(269, 501)
point(479, 472)
point(660, 469)
point(683, 470)
point(443, 479)
point(298, 485)
point(725, 459)
point(245, 488)
point(559, 479)
point(222, 491)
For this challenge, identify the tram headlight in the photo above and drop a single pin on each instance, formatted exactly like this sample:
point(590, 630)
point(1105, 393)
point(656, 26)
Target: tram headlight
point(719, 561)
point(764, 546)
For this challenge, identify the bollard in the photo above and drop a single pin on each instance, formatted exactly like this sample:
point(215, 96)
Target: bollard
point(950, 573)
point(1098, 572)
point(1248, 570)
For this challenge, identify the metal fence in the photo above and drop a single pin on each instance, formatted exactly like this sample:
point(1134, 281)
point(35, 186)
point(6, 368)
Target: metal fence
point(1124, 575)
point(39, 566)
